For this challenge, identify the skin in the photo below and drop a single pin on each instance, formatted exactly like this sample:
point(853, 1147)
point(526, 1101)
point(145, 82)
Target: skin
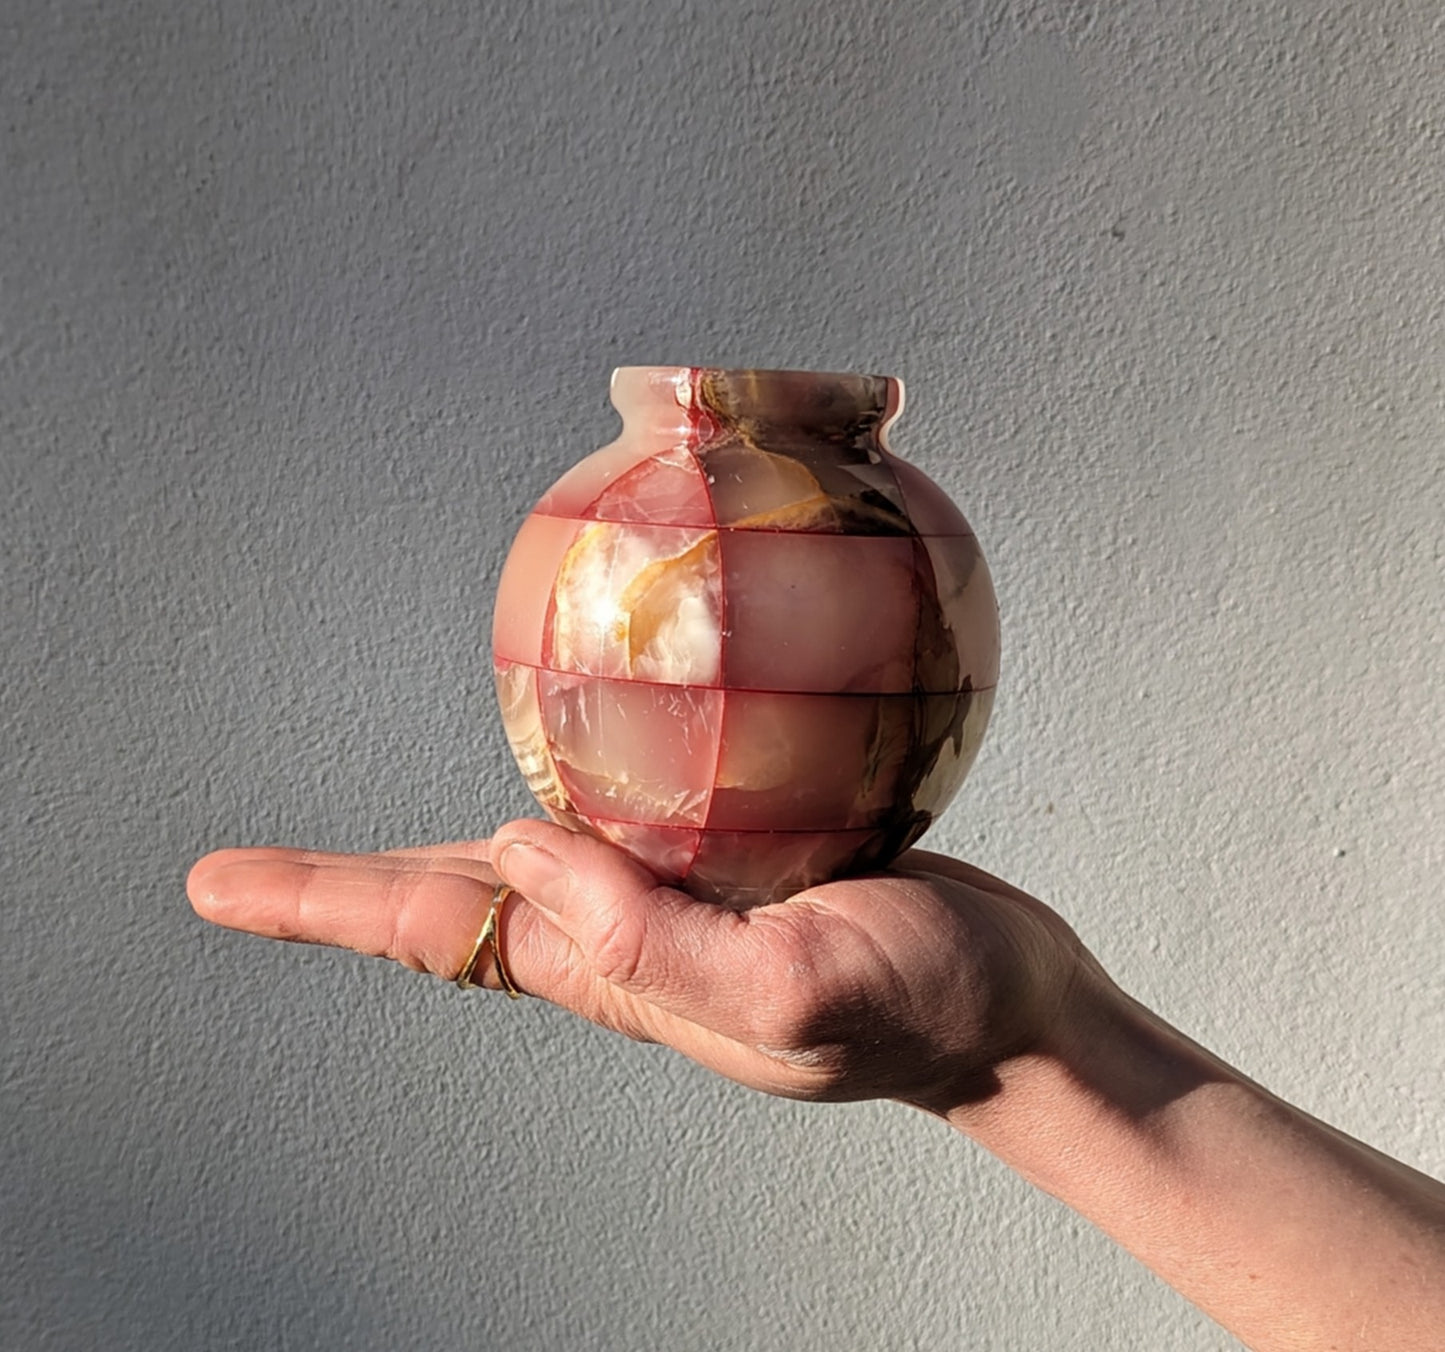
point(944, 988)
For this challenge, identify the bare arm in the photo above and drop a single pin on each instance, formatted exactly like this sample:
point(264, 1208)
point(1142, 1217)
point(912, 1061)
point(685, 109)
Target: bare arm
point(1289, 1233)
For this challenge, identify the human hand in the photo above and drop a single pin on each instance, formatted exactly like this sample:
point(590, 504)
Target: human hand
point(913, 984)
point(939, 985)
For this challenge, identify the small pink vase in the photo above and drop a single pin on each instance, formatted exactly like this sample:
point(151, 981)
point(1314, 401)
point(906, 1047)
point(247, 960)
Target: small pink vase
point(745, 642)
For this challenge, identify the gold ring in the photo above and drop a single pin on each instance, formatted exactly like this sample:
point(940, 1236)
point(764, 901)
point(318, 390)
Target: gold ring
point(490, 937)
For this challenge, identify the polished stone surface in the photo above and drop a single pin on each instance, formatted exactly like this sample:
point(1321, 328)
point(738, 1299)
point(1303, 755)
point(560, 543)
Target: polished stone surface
point(745, 641)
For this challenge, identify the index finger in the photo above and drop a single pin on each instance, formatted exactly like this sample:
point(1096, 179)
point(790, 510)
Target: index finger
point(421, 911)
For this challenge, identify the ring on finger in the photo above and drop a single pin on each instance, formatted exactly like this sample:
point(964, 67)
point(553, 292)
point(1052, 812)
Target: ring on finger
point(490, 938)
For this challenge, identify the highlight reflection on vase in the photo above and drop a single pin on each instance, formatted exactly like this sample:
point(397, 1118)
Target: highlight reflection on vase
point(745, 641)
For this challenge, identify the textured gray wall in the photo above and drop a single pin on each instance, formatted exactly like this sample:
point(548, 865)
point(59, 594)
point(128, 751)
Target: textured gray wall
point(302, 305)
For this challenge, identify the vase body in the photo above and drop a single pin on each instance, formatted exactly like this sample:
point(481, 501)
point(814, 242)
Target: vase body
point(745, 642)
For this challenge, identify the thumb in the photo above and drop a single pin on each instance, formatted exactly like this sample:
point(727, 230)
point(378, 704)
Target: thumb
point(693, 958)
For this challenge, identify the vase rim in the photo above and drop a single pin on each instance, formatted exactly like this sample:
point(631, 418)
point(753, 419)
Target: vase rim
point(674, 371)
point(775, 388)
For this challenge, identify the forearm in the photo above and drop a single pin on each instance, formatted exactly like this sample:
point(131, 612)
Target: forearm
point(1290, 1234)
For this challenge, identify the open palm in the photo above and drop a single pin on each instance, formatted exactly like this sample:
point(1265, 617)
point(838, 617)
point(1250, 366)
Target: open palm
point(911, 984)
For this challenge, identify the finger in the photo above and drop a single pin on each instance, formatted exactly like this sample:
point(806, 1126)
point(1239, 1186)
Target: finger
point(477, 851)
point(423, 913)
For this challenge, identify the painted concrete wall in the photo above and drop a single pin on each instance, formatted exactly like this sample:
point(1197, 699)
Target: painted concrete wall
point(302, 305)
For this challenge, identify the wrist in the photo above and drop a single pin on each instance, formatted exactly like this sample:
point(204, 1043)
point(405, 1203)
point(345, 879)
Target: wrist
point(1100, 1080)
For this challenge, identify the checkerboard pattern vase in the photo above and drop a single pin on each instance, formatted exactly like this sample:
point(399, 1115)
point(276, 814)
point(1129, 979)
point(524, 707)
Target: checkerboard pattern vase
point(745, 642)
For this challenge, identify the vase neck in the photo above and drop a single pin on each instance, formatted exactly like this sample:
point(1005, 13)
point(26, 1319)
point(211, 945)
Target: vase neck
point(701, 404)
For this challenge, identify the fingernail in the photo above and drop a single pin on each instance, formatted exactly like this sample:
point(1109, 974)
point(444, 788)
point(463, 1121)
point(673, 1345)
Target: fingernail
point(538, 875)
